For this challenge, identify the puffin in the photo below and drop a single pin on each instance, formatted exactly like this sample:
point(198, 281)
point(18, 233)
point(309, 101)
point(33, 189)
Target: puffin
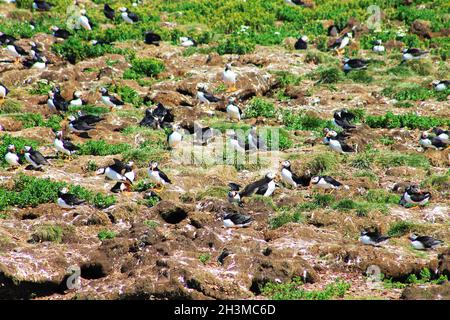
point(424, 242)
point(116, 171)
point(187, 42)
point(440, 85)
point(3, 92)
point(6, 39)
point(339, 135)
point(265, 187)
point(157, 176)
point(67, 200)
point(60, 33)
point(340, 43)
point(16, 51)
point(413, 196)
point(204, 97)
point(354, 64)
point(255, 141)
point(338, 145)
point(326, 182)
point(441, 134)
point(64, 146)
point(229, 77)
point(290, 178)
point(434, 142)
point(56, 102)
point(129, 175)
point(109, 100)
point(149, 120)
point(174, 138)
point(233, 111)
point(83, 20)
point(76, 99)
point(42, 5)
point(88, 118)
point(372, 238)
point(34, 157)
point(152, 38)
point(412, 54)
point(378, 46)
point(35, 62)
point(109, 12)
point(128, 16)
point(12, 158)
point(342, 118)
point(302, 43)
point(236, 220)
point(78, 126)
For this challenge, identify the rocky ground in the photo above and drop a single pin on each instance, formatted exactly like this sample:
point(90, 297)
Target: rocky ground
point(170, 250)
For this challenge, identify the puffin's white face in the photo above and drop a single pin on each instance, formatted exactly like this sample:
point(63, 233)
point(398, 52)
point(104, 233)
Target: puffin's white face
point(315, 180)
point(270, 175)
point(286, 164)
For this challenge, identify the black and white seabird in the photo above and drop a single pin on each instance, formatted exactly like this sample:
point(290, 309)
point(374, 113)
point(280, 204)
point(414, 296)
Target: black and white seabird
point(16, 51)
point(204, 97)
point(109, 12)
point(326, 182)
point(413, 196)
point(233, 111)
point(6, 39)
point(354, 64)
point(302, 43)
point(378, 46)
point(60, 33)
point(56, 102)
point(78, 126)
point(342, 119)
point(3, 92)
point(265, 187)
point(236, 220)
point(372, 238)
point(290, 178)
point(128, 16)
point(67, 200)
point(12, 158)
point(34, 157)
point(116, 171)
point(413, 53)
point(440, 85)
point(150, 37)
point(42, 5)
point(256, 141)
point(64, 146)
point(441, 133)
point(338, 145)
point(424, 242)
point(229, 77)
point(157, 176)
point(187, 42)
point(109, 100)
point(433, 142)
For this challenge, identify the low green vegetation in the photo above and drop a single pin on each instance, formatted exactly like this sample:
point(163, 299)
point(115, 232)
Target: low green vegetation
point(106, 235)
point(31, 191)
point(293, 291)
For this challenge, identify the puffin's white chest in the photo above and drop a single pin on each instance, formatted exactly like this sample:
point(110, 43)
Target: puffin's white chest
point(233, 112)
point(12, 159)
point(286, 176)
point(270, 189)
